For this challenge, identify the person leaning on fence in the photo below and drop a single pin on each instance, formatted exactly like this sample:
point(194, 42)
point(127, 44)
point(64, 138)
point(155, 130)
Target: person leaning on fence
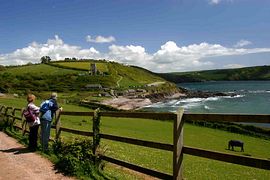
point(33, 125)
point(47, 109)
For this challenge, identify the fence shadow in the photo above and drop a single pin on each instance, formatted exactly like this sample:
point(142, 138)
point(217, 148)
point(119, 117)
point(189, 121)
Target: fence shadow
point(20, 150)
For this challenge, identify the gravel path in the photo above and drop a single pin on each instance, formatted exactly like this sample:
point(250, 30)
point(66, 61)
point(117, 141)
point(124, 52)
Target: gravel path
point(17, 163)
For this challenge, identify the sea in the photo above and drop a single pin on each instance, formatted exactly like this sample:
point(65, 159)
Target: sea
point(244, 97)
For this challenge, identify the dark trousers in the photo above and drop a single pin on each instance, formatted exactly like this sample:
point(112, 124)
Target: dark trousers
point(33, 136)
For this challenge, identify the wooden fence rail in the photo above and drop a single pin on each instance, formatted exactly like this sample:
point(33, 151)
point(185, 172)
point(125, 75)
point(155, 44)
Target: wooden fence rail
point(225, 157)
point(177, 148)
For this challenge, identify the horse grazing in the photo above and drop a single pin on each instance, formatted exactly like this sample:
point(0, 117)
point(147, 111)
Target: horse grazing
point(237, 143)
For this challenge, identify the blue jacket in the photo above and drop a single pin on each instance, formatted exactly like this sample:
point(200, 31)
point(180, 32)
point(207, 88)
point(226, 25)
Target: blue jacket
point(54, 107)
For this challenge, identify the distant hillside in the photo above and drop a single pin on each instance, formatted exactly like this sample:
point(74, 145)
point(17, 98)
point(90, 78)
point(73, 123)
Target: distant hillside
point(248, 73)
point(64, 76)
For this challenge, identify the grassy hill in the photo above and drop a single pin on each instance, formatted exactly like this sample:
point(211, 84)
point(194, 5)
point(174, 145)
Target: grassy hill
point(66, 76)
point(125, 75)
point(248, 73)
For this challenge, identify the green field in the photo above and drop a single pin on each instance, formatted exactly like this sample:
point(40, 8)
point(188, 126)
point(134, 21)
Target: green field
point(161, 131)
point(83, 65)
point(39, 69)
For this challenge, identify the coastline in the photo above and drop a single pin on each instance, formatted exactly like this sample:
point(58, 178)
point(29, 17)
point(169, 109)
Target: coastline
point(125, 103)
point(134, 103)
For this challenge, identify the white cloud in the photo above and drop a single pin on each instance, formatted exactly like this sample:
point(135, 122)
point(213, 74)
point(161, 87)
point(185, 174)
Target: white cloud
point(100, 39)
point(242, 43)
point(169, 57)
point(133, 55)
point(233, 66)
point(55, 48)
point(214, 1)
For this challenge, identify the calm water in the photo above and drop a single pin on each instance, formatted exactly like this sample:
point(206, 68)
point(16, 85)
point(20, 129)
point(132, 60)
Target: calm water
point(253, 97)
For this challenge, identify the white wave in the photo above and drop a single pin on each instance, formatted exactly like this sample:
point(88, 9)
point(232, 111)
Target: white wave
point(191, 105)
point(178, 102)
point(231, 97)
point(191, 100)
point(212, 98)
point(259, 91)
point(207, 107)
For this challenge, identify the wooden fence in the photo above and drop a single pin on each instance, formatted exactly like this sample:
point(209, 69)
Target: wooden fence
point(176, 147)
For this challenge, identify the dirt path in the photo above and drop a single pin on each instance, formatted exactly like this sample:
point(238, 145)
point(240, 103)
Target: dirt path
point(17, 163)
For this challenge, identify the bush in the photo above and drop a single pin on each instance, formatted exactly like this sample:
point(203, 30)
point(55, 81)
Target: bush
point(76, 158)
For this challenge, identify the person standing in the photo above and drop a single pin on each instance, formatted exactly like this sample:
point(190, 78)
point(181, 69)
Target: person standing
point(47, 109)
point(33, 125)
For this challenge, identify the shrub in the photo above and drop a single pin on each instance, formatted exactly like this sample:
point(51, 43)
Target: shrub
point(76, 158)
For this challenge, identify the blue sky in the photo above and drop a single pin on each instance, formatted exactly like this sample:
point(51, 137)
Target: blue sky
point(161, 35)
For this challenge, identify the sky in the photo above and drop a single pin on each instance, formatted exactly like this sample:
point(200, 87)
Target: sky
point(160, 35)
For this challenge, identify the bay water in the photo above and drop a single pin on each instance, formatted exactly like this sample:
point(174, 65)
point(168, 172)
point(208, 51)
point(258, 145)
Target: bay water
point(244, 97)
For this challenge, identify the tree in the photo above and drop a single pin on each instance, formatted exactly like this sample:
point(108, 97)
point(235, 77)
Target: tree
point(45, 59)
point(2, 68)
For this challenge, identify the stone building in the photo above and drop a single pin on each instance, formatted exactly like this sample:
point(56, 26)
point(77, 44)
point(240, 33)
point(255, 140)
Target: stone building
point(93, 69)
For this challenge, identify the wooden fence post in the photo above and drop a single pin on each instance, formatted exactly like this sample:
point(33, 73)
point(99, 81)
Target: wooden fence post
point(2, 107)
point(24, 124)
point(58, 126)
point(178, 145)
point(2, 114)
point(7, 116)
point(13, 116)
point(96, 126)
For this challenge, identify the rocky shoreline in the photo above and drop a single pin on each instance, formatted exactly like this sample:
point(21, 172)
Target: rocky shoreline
point(127, 103)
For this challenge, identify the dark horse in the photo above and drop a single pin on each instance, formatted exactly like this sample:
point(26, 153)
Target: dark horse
point(237, 143)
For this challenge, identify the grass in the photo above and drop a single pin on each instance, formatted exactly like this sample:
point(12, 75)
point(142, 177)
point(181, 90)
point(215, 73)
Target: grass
point(39, 69)
point(84, 65)
point(133, 76)
point(161, 131)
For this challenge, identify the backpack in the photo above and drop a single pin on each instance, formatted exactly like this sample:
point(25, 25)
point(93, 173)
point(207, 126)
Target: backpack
point(44, 106)
point(45, 109)
point(29, 116)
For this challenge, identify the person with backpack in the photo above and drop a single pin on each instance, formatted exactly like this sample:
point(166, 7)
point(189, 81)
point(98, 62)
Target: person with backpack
point(47, 109)
point(31, 115)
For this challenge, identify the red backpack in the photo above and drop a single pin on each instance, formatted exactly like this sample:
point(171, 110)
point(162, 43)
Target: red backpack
point(29, 116)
